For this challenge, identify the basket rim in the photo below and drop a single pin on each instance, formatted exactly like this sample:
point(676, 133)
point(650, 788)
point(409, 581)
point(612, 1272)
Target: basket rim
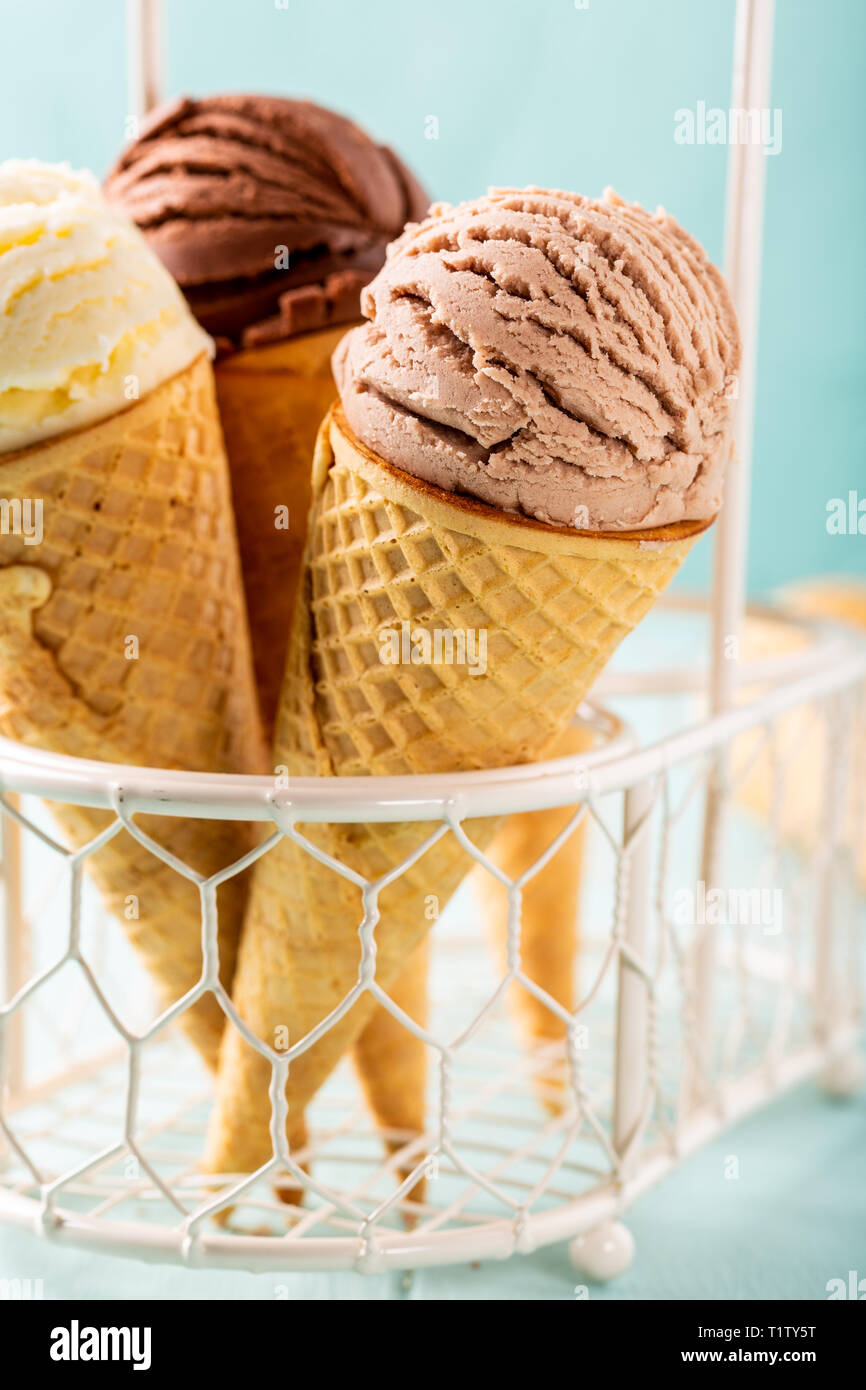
point(835, 663)
point(833, 660)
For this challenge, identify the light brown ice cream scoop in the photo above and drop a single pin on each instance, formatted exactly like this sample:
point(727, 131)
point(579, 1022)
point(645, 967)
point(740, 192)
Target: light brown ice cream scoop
point(569, 358)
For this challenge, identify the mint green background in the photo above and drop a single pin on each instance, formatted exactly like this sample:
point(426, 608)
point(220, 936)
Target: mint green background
point(537, 91)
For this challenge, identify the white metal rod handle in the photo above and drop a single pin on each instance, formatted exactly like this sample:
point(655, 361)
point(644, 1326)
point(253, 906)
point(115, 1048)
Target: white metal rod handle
point(743, 240)
point(144, 55)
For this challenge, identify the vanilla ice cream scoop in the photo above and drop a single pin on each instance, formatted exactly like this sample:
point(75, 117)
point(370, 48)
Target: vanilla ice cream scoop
point(89, 320)
point(569, 358)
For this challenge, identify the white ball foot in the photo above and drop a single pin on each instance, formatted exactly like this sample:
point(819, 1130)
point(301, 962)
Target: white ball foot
point(844, 1076)
point(603, 1253)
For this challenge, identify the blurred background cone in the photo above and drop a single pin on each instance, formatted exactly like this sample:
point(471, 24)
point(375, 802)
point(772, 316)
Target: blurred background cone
point(785, 782)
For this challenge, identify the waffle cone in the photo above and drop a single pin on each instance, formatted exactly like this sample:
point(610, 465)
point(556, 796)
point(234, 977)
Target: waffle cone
point(384, 549)
point(271, 402)
point(123, 638)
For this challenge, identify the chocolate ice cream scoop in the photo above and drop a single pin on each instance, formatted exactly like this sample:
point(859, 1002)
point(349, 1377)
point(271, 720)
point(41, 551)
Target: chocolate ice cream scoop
point(565, 357)
point(271, 214)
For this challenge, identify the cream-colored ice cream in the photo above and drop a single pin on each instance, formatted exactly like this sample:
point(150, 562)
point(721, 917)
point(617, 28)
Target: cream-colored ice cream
point(89, 319)
point(569, 358)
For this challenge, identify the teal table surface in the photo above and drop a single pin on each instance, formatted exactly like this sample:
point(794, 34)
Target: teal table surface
point(793, 1220)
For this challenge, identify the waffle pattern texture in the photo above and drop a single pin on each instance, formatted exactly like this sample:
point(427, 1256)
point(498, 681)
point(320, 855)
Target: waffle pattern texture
point(123, 638)
point(382, 548)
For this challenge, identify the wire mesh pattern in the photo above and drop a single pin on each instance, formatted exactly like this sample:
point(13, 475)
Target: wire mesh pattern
point(522, 1145)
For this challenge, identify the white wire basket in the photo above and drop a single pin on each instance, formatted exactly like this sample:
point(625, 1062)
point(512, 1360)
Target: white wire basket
point(688, 1017)
point(104, 1114)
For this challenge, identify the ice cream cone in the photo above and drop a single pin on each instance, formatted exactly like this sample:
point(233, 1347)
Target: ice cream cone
point(123, 638)
point(271, 401)
point(550, 900)
point(383, 550)
point(272, 214)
